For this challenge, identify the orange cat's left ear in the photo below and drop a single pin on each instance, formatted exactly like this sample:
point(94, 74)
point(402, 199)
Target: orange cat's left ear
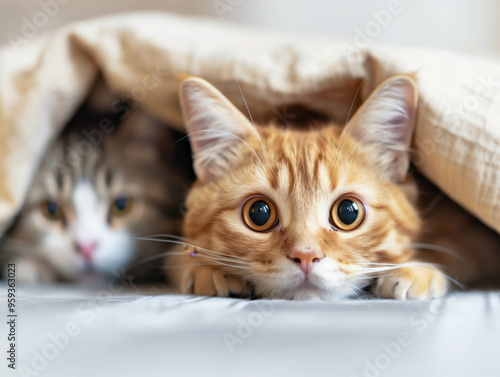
point(215, 126)
point(385, 123)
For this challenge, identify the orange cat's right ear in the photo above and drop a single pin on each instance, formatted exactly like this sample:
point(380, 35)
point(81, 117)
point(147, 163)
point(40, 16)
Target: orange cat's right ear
point(215, 128)
point(385, 123)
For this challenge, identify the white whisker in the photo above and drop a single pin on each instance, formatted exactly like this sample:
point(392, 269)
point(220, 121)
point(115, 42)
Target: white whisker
point(347, 121)
point(251, 118)
point(194, 245)
point(227, 133)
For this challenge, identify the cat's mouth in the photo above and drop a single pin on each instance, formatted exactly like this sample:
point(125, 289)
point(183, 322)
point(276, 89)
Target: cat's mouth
point(309, 285)
point(317, 286)
point(88, 268)
point(307, 291)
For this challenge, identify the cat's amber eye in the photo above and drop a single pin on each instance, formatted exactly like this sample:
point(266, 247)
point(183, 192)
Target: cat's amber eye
point(52, 210)
point(121, 206)
point(347, 213)
point(259, 214)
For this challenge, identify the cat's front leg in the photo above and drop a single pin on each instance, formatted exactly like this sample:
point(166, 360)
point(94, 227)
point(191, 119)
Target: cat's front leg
point(192, 275)
point(29, 270)
point(419, 281)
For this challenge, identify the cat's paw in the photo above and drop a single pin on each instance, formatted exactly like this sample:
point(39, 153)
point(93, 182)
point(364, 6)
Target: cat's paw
point(33, 271)
point(211, 281)
point(417, 282)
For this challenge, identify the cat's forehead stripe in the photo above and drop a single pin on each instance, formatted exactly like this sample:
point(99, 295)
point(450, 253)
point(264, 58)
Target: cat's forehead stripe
point(300, 159)
point(273, 177)
point(324, 178)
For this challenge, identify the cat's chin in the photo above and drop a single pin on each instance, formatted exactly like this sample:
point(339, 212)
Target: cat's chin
point(307, 294)
point(312, 292)
point(316, 287)
point(315, 294)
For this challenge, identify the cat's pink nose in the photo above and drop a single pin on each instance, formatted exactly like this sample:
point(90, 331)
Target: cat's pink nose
point(305, 258)
point(86, 249)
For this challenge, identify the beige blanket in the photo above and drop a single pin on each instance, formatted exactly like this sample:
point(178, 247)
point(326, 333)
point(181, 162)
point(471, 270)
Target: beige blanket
point(43, 80)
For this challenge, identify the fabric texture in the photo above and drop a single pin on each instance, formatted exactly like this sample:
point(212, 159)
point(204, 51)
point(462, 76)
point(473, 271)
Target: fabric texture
point(42, 82)
point(121, 332)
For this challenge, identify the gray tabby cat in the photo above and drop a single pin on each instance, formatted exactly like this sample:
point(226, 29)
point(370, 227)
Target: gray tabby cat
point(101, 186)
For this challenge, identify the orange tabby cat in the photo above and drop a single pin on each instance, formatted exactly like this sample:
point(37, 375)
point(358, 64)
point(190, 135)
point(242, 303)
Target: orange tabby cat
point(315, 212)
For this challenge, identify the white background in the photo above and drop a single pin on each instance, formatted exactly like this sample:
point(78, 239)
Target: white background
point(462, 25)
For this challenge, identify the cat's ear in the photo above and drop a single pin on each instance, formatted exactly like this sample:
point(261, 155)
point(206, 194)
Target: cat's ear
point(384, 125)
point(215, 128)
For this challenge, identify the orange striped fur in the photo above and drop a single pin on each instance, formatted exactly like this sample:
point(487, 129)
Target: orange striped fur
point(302, 171)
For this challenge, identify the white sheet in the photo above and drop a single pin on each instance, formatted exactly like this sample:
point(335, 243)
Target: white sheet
point(169, 335)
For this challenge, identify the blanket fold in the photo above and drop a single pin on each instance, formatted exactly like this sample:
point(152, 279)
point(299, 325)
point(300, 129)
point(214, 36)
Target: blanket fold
point(142, 55)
